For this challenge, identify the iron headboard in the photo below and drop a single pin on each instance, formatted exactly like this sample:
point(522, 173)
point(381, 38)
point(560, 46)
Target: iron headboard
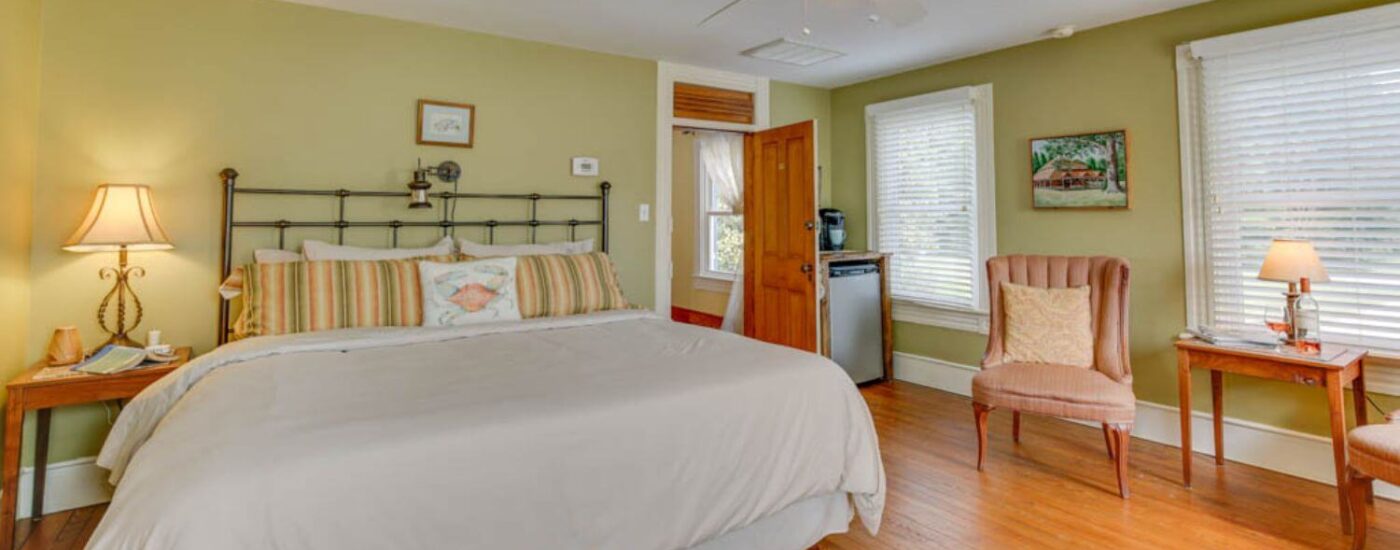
point(447, 221)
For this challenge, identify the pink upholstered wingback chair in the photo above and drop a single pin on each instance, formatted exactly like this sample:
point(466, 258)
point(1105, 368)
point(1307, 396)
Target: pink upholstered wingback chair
point(1103, 393)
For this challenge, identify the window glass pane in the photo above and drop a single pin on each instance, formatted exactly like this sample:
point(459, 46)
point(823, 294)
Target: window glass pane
point(1302, 141)
point(726, 242)
point(924, 165)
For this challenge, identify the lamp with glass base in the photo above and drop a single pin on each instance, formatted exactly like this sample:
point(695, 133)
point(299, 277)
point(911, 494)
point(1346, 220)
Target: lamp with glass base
point(122, 219)
point(1296, 262)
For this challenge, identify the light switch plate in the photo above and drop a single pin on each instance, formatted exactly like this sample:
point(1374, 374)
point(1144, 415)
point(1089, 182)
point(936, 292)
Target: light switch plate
point(585, 166)
point(644, 212)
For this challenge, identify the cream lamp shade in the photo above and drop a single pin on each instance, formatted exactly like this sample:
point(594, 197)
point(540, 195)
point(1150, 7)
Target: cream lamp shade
point(1290, 261)
point(121, 216)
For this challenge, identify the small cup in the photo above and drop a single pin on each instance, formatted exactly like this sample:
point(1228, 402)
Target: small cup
point(153, 338)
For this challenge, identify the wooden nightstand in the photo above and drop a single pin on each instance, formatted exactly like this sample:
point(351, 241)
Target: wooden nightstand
point(26, 393)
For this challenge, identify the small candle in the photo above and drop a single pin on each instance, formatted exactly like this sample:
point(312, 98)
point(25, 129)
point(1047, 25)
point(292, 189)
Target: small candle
point(153, 338)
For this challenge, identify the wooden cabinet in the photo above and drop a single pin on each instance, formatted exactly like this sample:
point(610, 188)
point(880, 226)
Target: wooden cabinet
point(824, 305)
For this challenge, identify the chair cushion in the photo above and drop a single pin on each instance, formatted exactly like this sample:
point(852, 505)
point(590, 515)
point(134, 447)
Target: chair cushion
point(1055, 390)
point(1375, 450)
point(1048, 325)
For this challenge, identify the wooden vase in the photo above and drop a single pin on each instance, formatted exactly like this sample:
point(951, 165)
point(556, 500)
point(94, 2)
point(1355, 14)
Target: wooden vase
point(66, 347)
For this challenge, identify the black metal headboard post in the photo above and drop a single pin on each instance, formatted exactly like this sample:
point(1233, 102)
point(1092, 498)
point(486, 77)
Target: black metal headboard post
point(447, 222)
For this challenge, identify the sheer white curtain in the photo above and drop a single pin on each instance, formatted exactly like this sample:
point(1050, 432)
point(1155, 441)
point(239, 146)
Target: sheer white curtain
point(722, 157)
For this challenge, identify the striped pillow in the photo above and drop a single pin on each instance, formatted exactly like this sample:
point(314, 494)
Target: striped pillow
point(557, 285)
point(297, 297)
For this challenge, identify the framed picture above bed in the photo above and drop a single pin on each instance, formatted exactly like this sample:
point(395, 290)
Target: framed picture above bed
point(444, 123)
point(1084, 171)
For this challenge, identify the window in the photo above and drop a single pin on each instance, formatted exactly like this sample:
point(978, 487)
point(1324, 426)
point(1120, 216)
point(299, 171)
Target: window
point(1294, 132)
point(930, 184)
point(719, 160)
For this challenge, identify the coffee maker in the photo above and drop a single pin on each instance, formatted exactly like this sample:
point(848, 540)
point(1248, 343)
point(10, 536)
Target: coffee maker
point(833, 232)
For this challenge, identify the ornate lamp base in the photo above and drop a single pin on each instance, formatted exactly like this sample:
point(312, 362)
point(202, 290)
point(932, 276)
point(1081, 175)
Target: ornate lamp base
point(121, 289)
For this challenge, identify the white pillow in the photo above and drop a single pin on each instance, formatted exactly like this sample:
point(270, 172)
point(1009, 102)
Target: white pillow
point(320, 250)
point(465, 293)
point(493, 250)
point(276, 256)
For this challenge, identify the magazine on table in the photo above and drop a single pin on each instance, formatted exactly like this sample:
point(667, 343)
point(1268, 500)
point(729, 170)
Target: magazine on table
point(112, 359)
point(1261, 341)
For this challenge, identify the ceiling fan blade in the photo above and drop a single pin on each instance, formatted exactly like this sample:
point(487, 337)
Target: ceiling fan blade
point(901, 12)
point(718, 12)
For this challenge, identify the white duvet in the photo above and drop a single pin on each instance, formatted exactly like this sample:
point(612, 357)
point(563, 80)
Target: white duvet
point(614, 430)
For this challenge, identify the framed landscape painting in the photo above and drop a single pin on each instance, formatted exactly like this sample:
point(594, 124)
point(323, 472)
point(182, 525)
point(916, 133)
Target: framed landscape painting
point(1087, 171)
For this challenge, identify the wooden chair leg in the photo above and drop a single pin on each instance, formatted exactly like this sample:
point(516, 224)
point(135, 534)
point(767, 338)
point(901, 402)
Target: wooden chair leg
point(1016, 426)
point(980, 412)
point(1358, 483)
point(1122, 437)
point(1107, 441)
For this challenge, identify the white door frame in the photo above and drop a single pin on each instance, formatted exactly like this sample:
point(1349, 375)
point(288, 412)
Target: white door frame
point(667, 75)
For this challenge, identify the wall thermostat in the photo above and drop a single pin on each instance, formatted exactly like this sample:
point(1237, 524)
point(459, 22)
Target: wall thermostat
point(585, 166)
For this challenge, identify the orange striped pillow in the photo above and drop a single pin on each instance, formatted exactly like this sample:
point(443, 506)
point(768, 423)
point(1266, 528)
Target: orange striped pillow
point(294, 297)
point(556, 285)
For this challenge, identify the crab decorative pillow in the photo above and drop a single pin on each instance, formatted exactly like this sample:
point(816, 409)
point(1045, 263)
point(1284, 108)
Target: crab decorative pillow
point(464, 293)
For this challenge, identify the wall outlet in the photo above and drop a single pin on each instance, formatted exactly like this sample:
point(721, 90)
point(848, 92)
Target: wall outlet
point(644, 212)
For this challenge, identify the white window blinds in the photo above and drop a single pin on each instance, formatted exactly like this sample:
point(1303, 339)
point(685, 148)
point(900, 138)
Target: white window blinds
point(924, 192)
point(1297, 135)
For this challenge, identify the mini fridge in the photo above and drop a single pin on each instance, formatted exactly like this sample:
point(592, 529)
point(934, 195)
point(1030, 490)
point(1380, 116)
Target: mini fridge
point(857, 339)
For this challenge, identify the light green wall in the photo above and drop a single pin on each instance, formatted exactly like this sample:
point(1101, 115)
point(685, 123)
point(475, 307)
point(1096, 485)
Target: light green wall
point(19, 130)
point(1118, 76)
point(168, 92)
point(793, 103)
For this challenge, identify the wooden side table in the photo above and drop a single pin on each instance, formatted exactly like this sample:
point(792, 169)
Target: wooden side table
point(26, 393)
point(1332, 375)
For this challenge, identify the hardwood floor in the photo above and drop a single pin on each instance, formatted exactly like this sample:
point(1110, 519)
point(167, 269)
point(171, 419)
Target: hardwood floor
point(1056, 489)
point(66, 530)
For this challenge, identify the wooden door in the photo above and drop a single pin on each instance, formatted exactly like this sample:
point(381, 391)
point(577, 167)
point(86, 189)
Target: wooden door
point(780, 237)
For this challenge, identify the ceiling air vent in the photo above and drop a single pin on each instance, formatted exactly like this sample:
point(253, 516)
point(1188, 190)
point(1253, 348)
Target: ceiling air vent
point(786, 51)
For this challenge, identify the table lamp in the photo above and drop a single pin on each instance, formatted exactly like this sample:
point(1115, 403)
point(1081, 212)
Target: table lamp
point(1295, 262)
point(122, 219)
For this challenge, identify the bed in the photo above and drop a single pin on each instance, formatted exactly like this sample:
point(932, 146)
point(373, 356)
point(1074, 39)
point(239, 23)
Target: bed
point(612, 429)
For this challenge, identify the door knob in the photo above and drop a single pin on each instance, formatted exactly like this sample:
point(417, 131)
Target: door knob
point(810, 225)
point(806, 268)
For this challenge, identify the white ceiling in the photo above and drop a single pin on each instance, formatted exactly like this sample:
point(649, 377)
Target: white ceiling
point(666, 29)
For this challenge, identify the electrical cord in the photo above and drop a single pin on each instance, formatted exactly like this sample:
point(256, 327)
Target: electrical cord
point(1376, 406)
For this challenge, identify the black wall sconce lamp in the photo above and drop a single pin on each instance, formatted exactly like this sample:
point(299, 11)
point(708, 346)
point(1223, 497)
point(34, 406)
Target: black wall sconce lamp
point(447, 171)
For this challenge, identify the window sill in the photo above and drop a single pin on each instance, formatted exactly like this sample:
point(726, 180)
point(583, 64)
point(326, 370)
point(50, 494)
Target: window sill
point(956, 319)
point(711, 283)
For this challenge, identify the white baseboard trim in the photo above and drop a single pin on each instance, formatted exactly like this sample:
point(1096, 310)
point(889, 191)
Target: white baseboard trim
point(1294, 453)
point(70, 484)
